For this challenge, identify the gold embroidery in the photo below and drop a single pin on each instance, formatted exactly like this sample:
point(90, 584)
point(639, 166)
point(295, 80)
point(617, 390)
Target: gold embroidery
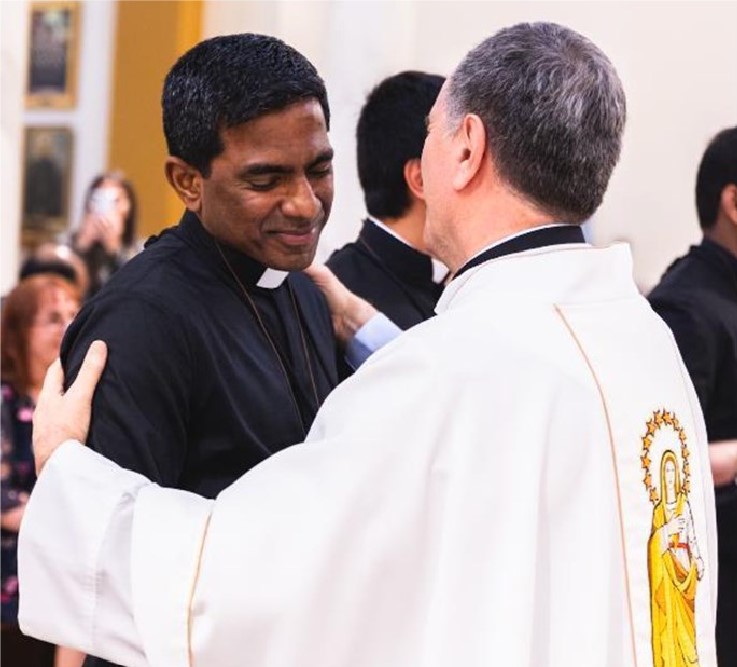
point(674, 563)
point(192, 590)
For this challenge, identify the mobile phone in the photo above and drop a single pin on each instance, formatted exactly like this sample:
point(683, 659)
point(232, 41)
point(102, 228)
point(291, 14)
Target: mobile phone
point(103, 200)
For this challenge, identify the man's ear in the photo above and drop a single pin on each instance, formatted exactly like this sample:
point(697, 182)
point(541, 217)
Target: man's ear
point(469, 147)
point(728, 202)
point(186, 181)
point(413, 178)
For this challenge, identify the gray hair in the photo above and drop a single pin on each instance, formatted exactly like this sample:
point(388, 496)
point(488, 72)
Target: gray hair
point(554, 111)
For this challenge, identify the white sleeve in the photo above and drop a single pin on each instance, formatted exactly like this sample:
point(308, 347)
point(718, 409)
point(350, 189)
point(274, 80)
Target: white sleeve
point(77, 551)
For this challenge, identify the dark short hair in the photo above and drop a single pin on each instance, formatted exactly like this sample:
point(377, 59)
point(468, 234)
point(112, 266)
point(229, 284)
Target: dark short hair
point(718, 169)
point(34, 266)
point(128, 237)
point(554, 112)
point(390, 132)
point(228, 80)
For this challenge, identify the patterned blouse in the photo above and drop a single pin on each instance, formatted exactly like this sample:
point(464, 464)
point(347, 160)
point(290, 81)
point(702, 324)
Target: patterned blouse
point(17, 477)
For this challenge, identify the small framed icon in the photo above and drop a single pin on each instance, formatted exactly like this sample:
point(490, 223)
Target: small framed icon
point(47, 169)
point(52, 55)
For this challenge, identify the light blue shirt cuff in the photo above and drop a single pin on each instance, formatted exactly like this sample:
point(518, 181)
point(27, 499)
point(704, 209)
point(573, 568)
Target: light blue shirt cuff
point(372, 336)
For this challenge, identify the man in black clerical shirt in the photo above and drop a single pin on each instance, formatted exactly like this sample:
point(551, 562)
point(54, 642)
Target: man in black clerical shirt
point(697, 298)
point(388, 264)
point(221, 351)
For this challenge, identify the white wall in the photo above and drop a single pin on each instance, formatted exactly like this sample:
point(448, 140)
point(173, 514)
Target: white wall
point(89, 119)
point(676, 59)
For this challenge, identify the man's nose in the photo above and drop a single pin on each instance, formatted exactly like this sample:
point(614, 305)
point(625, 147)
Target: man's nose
point(301, 201)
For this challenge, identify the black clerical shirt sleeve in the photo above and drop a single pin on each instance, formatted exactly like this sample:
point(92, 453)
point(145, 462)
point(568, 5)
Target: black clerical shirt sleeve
point(141, 407)
point(696, 343)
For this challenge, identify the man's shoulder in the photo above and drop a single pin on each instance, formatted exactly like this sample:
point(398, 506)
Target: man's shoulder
point(347, 259)
point(359, 272)
point(159, 289)
point(688, 276)
point(305, 291)
point(160, 274)
point(689, 289)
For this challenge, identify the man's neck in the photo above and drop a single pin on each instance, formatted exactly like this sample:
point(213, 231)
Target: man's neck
point(724, 236)
point(407, 227)
point(484, 213)
point(405, 262)
point(248, 270)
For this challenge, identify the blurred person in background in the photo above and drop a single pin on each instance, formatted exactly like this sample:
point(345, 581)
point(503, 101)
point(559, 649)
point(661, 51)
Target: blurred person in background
point(697, 298)
point(388, 263)
point(35, 315)
point(59, 259)
point(106, 237)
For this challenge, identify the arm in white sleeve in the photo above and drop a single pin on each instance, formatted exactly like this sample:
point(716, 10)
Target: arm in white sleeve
point(372, 336)
point(79, 553)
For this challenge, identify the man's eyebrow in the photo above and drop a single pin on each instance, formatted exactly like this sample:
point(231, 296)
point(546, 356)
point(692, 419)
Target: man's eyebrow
point(262, 168)
point(266, 168)
point(325, 156)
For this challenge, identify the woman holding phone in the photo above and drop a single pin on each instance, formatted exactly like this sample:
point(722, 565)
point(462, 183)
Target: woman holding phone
point(106, 237)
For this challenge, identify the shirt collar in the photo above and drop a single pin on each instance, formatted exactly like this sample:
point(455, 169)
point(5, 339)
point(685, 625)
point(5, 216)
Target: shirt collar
point(553, 234)
point(516, 235)
point(251, 272)
point(727, 257)
point(438, 270)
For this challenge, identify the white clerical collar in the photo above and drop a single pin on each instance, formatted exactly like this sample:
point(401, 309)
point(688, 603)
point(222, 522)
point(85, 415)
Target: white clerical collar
point(439, 270)
point(272, 278)
point(514, 236)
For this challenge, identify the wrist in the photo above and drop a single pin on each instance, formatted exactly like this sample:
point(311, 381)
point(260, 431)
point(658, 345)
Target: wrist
point(354, 318)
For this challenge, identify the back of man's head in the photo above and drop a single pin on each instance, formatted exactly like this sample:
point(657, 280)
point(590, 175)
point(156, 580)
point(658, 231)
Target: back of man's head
point(554, 111)
point(228, 80)
point(390, 132)
point(717, 170)
point(34, 266)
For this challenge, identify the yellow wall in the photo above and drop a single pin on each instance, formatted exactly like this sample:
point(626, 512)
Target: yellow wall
point(150, 37)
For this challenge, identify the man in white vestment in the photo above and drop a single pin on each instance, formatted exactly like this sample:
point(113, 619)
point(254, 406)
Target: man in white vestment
point(522, 480)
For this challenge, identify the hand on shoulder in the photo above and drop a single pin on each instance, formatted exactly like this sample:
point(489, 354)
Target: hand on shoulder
point(349, 312)
point(61, 416)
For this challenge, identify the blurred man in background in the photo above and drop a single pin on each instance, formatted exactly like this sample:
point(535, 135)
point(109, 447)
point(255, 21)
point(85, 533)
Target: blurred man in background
point(697, 298)
point(388, 264)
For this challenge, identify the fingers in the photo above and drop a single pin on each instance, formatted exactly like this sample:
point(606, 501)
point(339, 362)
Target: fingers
point(320, 274)
point(329, 284)
point(54, 380)
point(90, 372)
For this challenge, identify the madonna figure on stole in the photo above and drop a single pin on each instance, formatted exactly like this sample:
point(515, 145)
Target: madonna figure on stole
point(674, 563)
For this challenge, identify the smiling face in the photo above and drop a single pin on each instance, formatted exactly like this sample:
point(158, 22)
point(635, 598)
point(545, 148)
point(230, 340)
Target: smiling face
point(269, 192)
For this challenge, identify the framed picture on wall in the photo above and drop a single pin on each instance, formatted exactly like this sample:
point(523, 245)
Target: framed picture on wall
point(52, 54)
point(47, 169)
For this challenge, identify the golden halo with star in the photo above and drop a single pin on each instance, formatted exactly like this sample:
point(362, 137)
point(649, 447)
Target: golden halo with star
point(664, 431)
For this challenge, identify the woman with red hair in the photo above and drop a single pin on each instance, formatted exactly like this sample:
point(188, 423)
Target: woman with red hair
point(34, 317)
